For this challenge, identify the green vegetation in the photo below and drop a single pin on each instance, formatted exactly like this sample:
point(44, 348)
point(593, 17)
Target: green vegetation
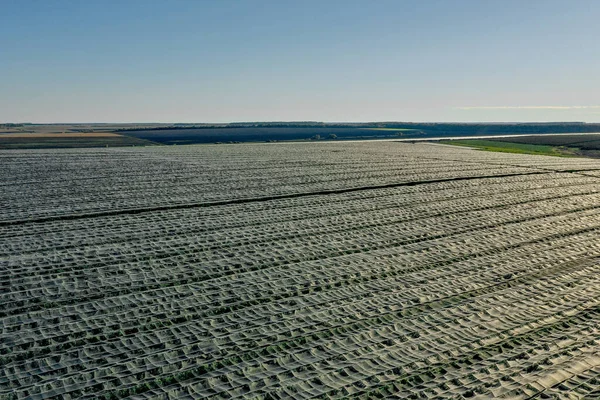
point(398, 131)
point(508, 147)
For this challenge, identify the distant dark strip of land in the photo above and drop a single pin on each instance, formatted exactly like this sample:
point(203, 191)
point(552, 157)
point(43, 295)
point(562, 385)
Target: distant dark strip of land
point(169, 134)
point(267, 132)
point(67, 140)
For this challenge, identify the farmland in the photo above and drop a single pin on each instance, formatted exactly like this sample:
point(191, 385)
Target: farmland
point(67, 140)
point(586, 145)
point(298, 270)
point(255, 134)
point(511, 146)
point(279, 131)
point(586, 141)
point(75, 135)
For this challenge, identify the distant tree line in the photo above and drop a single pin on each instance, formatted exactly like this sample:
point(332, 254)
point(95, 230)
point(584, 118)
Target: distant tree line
point(8, 125)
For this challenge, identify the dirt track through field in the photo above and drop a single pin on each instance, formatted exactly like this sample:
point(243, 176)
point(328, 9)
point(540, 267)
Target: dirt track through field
point(260, 199)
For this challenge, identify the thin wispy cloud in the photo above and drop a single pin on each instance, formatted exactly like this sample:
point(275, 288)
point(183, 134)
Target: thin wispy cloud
point(527, 107)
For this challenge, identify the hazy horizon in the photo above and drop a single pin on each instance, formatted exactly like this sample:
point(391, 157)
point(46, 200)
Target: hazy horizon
point(230, 61)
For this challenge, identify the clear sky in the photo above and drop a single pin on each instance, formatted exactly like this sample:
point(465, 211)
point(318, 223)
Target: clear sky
point(324, 60)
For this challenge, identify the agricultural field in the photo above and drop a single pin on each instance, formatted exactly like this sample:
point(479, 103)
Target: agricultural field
point(257, 134)
point(262, 132)
point(582, 145)
point(511, 146)
point(67, 140)
point(299, 270)
point(588, 141)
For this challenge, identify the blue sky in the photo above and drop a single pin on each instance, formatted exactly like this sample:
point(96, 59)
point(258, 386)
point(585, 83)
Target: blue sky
point(327, 60)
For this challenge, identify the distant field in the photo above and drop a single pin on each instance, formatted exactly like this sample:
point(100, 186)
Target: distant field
point(583, 145)
point(67, 140)
point(22, 135)
point(583, 142)
point(258, 134)
point(198, 133)
point(509, 147)
point(74, 128)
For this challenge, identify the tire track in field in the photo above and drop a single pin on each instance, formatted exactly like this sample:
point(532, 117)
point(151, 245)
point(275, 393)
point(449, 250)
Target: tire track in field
point(260, 199)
